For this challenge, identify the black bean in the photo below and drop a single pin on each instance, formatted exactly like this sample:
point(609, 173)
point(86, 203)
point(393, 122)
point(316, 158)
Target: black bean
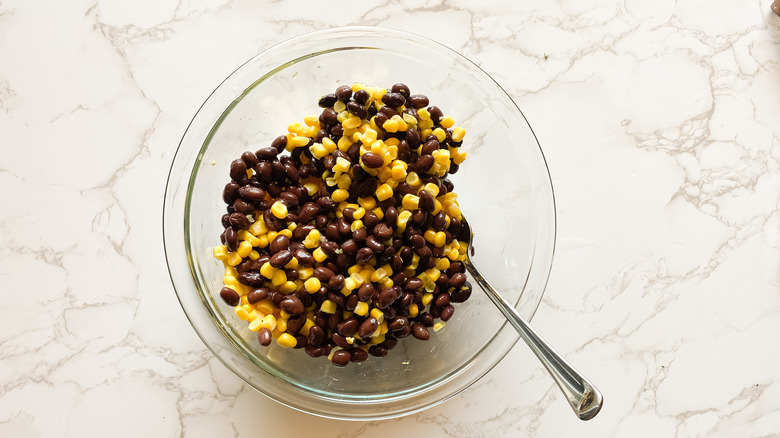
point(257, 294)
point(357, 109)
point(361, 96)
point(336, 282)
point(418, 101)
point(364, 255)
point(427, 202)
point(341, 358)
point(264, 336)
point(368, 327)
point(357, 354)
point(239, 221)
point(401, 89)
point(343, 93)
point(249, 159)
point(237, 170)
point(398, 323)
point(316, 335)
point(442, 300)
point(429, 147)
point(251, 193)
point(330, 249)
point(292, 305)
point(393, 100)
point(446, 312)
point(436, 114)
point(372, 160)
point(231, 192)
point(373, 243)
point(412, 138)
point(365, 292)
point(264, 172)
point(420, 332)
point(267, 153)
point(230, 296)
point(281, 258)
point(231, 238)
point(426, 319)
point(348, 327)
point(323, 274)
point(304, 257)
point(329, 116)
point(327, 100)
point(308, 212)
point(386, 297)
point(462, 294)
point(380, 119)
point(360, 234)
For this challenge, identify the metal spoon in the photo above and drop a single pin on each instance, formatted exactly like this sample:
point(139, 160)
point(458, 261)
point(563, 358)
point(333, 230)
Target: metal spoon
point(583, 397)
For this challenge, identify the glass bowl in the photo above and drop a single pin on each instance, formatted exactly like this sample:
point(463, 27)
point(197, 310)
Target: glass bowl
point(504, 190)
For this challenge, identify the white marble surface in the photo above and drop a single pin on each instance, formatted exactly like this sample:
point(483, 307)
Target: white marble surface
point(661, 125)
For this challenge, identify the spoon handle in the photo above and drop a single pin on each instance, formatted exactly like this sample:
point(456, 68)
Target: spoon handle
point(583, 397)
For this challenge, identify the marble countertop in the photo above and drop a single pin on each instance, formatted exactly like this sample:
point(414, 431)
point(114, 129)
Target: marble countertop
point(660, 121)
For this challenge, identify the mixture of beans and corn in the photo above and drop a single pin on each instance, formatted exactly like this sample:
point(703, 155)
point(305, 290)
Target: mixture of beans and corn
point(341, 237)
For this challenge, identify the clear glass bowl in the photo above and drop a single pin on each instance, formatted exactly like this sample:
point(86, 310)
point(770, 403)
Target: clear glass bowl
point(504, 190)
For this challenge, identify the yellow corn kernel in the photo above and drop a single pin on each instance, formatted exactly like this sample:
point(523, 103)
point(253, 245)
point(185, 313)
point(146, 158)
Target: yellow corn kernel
point(256, 324)
point(241, 312)
point(306, 327)
point(297, 142)
point(453, 254)
point(356, 225)
point(398, 173)
point(446, 122)
point(339, 106)
point(287, 340)
point(281, 322)
point(378, 314)
point(409, 119)
point(288, 287)
point(440, 239)
point(292, 264)
point(267, 270)
point(312, 187)
point(433, 274)
point(312, 285)
point(258, 228)
point(454, 211)
point(354, 268)
point(340, 195)
point(343, 182)
point(432, 189)
point(403, 218)
point(413, 179)
point(368, 137)
point(311, 121)
point(249, 173)
point(359, 213)
point(442, 263)
point(305, 272)
point(427, 298)
point(380, 214)
point(368, 203)
point(361, 308)
point(349, 285)
point(410, 202)
point(423, 114)
point(439, 325)
point(295, 128)
point(342, 165)
point(312, 239)
point(233, 259)
point(279, 210)
point(220, 252)
point(384, 192)
point(265, 306)
point(358, 278)
point(329, 145)
point(386, 283)
point(351, 123)
point(318, 150)
point(413, 310)
point(429, 235)
point(328, 306)
point(458, 133)
point(279, 278)
point(459, 157)
point(390, 125)
point(319, 255)
point(378, 275)
point(244, 248)
point(344, 143)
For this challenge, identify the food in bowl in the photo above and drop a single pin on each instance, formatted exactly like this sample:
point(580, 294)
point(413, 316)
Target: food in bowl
point(341, 237)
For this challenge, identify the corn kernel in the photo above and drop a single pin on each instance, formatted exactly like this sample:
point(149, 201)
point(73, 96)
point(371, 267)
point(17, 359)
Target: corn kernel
point(432, 189)
point(241, 313)
point(410, 202)
point(439, 325)
point(427, 298)
point(305, 272)
point(258, 228)
point(292, 264)
point(442, 264)
point(340, 195)
point(423, 114)
point(311, 187)
point(440, 239)
point(256, 324)
point(458, 133)
point(312, 239)
point(398, 173)
point(267, 270)
point(279, 278)
point(312, 285)
point(446, 122)
point(279, 210)
point(343, 182)
point(344, 143)
point(287, 340)
point(383, 192)
point(413, 179)
point(319, 255)
point(342, 165)
point(368, 137)
point(297, 142)
point(244, 248)
point(378, 314)
point(318, 150)
point(361, 308)
point(221, 252)
point(380, 214)
point(356, 225)
point(233, 259)
point(390, 125)
point(369, 203)
point(328, 306)
point(413, 310)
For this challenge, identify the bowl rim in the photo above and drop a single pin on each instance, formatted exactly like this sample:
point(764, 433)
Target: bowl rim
point(375, 31)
